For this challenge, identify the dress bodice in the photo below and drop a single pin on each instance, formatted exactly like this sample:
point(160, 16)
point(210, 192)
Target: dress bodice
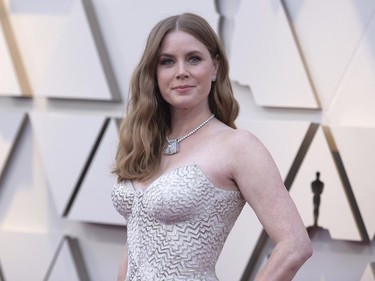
point(177, 226)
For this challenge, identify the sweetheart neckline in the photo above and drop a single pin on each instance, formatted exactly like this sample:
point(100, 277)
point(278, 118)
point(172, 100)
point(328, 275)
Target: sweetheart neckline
point(194, 165)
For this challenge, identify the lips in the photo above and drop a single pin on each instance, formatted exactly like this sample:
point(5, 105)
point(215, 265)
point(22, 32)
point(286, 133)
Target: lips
point(183, 88)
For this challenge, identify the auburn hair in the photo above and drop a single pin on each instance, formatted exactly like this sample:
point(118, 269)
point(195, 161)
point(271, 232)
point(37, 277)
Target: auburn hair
point(143, 130)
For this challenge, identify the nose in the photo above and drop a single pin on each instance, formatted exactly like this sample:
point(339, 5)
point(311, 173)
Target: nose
point(182, 71)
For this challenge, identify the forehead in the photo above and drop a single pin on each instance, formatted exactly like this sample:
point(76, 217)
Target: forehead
point(181, 40)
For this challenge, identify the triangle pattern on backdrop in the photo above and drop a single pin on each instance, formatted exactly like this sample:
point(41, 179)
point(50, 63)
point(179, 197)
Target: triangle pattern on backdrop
point(93, 202)
point(338, 22)
point(354, 102)
point(356, 146)
point(256, 61)
point(69, 65)
point(369, 274)
point(67, 260)
point(335, 211)
point(79, 65)
point(10, 125)
point(65, 143)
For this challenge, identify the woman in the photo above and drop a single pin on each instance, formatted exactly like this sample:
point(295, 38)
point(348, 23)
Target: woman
point(184, 170)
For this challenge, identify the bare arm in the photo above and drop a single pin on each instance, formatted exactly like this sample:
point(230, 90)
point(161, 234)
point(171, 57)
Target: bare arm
point(260, 183)
point(123, 265)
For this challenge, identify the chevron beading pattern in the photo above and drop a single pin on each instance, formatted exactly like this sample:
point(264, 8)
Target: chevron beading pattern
point(177, 226)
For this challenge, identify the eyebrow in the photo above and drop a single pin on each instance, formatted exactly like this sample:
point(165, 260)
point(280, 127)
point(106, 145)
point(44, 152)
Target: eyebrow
point(194, 52)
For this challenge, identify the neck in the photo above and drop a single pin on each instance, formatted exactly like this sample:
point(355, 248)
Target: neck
point(183, 124)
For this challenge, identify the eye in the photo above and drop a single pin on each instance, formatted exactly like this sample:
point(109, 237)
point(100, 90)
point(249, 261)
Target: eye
point(166, 62)
point(195, 59)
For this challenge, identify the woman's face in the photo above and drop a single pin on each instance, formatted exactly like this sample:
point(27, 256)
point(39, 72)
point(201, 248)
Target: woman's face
point(185, 71)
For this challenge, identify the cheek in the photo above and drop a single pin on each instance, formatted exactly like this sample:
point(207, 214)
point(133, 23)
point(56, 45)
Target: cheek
point(206, 78)
point(162, 84)
point(162, 78)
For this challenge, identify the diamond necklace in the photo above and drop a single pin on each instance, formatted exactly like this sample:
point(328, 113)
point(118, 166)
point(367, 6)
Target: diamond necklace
point(173, 145)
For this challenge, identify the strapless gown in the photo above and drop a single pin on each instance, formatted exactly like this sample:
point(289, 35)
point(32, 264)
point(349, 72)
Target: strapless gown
point(177, 226)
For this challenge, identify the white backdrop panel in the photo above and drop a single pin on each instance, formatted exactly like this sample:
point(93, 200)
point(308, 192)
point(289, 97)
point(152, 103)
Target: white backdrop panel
point(103, 254)
point(265, 57)
point(356, 147)
point(65, 143)
point(25, 202)
point(93, 202)
point(58, 49)
point(9, 85)
point(64, 268)
point(27, 206)
point(27, 256)
point(329, 33)
point(354, 103)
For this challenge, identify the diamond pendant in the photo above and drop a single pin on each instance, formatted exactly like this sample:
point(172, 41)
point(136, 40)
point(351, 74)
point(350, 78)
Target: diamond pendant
point(172, 147)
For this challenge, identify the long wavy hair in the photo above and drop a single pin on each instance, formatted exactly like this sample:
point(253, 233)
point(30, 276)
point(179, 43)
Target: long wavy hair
point(147, 122)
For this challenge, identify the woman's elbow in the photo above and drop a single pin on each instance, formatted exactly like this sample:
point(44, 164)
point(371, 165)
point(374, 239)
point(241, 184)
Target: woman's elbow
point(308, 251)
point(303, 252)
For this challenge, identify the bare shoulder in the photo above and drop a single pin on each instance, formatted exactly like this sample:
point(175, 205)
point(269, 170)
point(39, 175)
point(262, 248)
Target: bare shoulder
point(239, 156)
point(243, 136)
point(240, 141)
point(245, 153)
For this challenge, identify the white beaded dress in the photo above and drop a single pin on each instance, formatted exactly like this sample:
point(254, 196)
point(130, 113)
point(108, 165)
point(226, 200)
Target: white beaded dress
point(177, 226)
